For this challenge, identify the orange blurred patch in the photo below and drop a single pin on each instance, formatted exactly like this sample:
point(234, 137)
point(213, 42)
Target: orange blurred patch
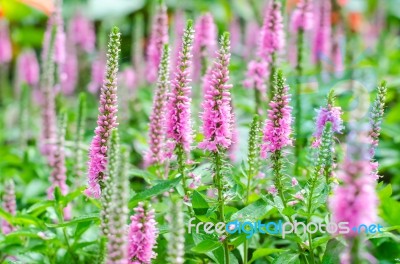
point(46, 6)
point(355, 21)
point(342, 2)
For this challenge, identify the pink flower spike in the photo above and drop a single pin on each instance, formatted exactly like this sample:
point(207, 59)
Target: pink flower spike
point(159, 37)
point(107, 119)
point(278, 124)
point(142, 236)
point(5, 43)
point(217, 115)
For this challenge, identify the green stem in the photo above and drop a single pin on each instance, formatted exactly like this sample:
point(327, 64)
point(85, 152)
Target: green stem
point(309, 209)
point(221, 202)
point(297, 95)
point(257, 100)
point(271, 77)
point(181, 159)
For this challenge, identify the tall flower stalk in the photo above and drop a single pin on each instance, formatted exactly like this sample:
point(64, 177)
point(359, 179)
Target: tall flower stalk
point(156, 152)
point(277, 131)
point(107, 119)
point(376, 115)
point(322, 33)
point(176, 239)
point(179, 130)
point(48, 134)
point(355, 200)
point(323, 166)
point(117, 181)
point(272, 39)
point(253, 163)
point(217, 121)
point(159, 37)
point(9, 205)
point(142, 237)
point(58, 175)
point(301, 21)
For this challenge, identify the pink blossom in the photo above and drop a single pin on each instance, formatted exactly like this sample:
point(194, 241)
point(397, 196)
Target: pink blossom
point(97, 74)
point(204, 43)
point(128, 78)
point(159, 37)
point(272, 35)
point(70, 70)
point(178, 126)
point(302, 17)
point(107, 119)
point(9, 205)
point(294, 182)
point(251, 40)
point(28, 68)
point(322, 31)
point(236, 35)
point(256, 76)
point(355, 201)
point(82, 32)
point(5, 43)
point(331, 114)
point(272, 190)
point(142, 236)
point(217, 114)
point(278, 125)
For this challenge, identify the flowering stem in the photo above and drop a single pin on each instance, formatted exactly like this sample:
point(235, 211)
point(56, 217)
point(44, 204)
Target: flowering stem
point(181, 159)
point(276, 158)
point(221, 201)
point(297, 98)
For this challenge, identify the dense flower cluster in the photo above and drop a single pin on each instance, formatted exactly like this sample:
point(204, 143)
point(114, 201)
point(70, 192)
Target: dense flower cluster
point(156, 151)
point(322, 31)
point(217, 115)
point(107, 119)
point(302, 16)
point(9, 205)
point(179, 130)
point(5, 43)
point(277, 128)
point(28, 68)
point(142, 236)
point(82, 32)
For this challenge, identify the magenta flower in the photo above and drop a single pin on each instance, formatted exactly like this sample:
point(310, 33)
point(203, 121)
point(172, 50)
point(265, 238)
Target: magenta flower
point(204, 43)
point(5, 43)
point(179, 130)
point(28, 68)
point(322, 31)
point(82, 32)
point(236, 35)
point(217, 115)
point(107, 118)
point(355, 201)
point(272, 36)
point(272, 190)
point(331, 114)
point(302, 17)
point(9, 205)
point(159, 37)
point(142, 236)
point(97, 74)
point(256, 76)
point(278, 125)
point(157, 117)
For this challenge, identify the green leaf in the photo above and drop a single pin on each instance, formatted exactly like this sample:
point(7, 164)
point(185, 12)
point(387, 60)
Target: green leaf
point(85, 218)
point(253, 211)
point(332, 252)
point(262, 252)
point(288, 211)
point(206, 246)
point(287, 259)
point(40, 207)
point(199, 204)
point(385, 192)
point(153, 191)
